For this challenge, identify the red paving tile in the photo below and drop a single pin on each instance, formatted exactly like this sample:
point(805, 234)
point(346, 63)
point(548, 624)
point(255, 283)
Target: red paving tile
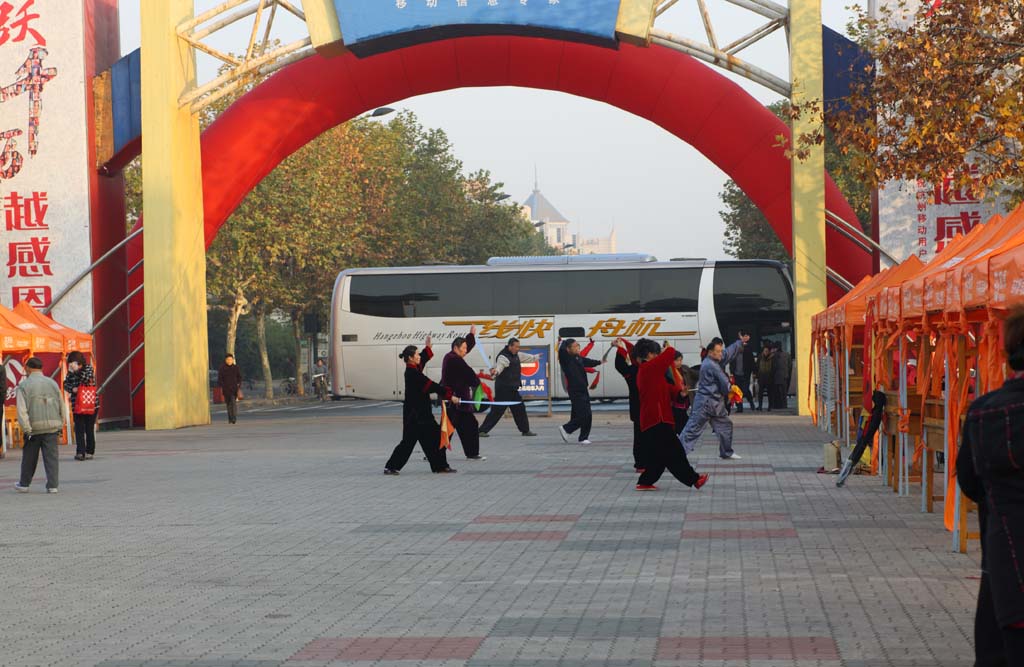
point(522, 518)
point(389, 648)
point(737, 534)
point(706, 516)
point(737, 466)
point(506, 536)
point(607, 474)
point(747, 648)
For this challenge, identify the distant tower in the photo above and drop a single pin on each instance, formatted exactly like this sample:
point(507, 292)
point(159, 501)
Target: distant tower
point(552, 224)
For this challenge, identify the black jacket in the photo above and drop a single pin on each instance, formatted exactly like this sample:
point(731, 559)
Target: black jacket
point(416, 408)
point(781, 369)
point(230, 379)
point(575, 370)
point(988, 470)
point(749, 367)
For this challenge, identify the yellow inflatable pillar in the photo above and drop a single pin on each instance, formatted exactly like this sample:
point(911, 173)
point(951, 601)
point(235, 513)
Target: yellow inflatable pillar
point(175, 269)
point(808, 189)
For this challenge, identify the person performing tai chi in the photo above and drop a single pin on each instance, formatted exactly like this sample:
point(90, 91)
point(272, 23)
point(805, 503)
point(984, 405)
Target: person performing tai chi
point(462, 379)
point(574, 366)
point(418, 423)
point(508, 378)
point(660, 446)
point(627, 365)
point(709, 406)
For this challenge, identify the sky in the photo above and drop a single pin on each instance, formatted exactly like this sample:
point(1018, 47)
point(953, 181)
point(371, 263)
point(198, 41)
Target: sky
point(600, 166)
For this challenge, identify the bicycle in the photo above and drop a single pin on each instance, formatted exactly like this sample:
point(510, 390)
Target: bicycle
point(288, 387)
point(320, 386)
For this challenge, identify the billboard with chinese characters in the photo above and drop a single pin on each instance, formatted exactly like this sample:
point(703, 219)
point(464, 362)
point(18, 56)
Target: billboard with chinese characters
point(369, 26)
point(535, 373)
point(917, 218)
point(43, 157)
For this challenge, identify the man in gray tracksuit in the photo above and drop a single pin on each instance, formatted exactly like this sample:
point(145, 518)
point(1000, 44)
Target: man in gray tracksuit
point(709, 406)
point(42, 413)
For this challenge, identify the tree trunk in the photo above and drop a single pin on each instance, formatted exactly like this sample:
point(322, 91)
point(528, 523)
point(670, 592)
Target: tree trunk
point(300, 386)
point(261, 342)
point(238, 308)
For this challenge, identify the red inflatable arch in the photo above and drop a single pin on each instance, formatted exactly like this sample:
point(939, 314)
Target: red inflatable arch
point(683, 96)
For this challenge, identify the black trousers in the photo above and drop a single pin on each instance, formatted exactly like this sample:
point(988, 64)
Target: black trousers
point(518, 411)
point(231, 403)
point(429, 437)
point(780, 396)
point(681, 417)
point(468, 429)
point(581, 417)
point(638, 457)
point(85, 434)
point(664, 451)
point(743, 382)
point(764, 389)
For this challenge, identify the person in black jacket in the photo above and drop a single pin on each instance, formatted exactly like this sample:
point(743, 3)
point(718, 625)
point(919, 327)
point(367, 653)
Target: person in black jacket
point(989, 473)
point(574, 368)
point(418, 423)
point(867, 436)
point(628, 365)
point(508, 378)
point(81, 374)
point(742, 368)
point(229, 377)
point(463, 380)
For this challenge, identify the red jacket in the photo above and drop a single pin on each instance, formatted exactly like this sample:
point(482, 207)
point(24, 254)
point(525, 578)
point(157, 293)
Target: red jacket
point(655, 393)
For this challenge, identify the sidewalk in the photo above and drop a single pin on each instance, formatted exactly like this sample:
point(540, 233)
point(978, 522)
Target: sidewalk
point(279, 543)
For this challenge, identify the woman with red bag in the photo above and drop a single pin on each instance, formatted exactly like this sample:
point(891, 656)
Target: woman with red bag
point(80, 385)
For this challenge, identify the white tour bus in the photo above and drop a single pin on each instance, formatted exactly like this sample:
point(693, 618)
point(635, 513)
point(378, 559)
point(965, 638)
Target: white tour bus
point(376, 312)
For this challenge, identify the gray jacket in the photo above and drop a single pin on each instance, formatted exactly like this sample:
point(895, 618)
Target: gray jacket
point(41, 407)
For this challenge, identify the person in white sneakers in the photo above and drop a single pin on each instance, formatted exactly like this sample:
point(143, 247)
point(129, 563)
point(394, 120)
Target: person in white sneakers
point(42, 413)
point(709, 406)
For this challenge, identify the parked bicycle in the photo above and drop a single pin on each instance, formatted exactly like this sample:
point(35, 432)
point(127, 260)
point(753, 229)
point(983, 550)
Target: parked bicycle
point(288, 387)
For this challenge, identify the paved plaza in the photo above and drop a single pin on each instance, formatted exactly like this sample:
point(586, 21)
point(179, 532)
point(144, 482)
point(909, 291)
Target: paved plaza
point(279, 543)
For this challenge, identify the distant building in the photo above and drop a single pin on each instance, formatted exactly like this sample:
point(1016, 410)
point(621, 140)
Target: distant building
point(555, 228)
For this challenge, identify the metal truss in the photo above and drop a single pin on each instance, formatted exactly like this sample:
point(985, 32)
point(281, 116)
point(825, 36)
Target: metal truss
point(256, 61)
point(725, 56)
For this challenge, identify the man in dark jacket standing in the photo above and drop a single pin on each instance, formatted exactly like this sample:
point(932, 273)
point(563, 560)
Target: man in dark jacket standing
point(462, 379)
point(508, 378)
point(742, 367)
point(574, 367)
point(780, 377)
point(230, 380)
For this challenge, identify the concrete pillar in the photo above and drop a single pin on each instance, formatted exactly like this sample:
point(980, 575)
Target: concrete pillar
point(808, 190)
point(175, 254)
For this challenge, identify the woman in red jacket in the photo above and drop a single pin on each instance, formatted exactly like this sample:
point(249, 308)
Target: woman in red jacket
point(657, 424)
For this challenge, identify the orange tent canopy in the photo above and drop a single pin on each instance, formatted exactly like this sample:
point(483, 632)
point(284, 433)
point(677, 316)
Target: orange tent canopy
point(875, 299)
point(73, 340)
point(969, 283)
point(40, 339)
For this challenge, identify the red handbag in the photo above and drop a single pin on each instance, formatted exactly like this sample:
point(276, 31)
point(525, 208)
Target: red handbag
point(85, 401)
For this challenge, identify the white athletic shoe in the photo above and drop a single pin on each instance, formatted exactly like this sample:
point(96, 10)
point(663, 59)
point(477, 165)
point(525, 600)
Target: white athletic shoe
point(20, 489)
point(476, 458)
point(53, 490)
point(585, 442)
point(561, 432)
point(734, 456)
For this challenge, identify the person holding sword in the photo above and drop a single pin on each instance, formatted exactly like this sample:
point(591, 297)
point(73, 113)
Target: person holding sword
point(508, 378)
point(463, 380)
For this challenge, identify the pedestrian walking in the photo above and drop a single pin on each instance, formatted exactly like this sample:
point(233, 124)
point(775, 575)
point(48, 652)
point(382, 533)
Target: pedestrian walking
point(781, 376)
point(709, 406)
point(462, 379)
point(989, 473)
point(574, 368)
point(80, 387)
point(867, 436)
point(742, 368)
point(657, 423)
point(508, 378)
point(765, 372)
point(229, 377)
point(42, 413)
point(418, 424)
point(627, 365)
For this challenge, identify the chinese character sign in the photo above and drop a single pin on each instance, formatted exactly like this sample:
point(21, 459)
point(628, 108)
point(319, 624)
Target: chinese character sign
point(535, 373)
point(918, 218)
point(44, 188)
point(373, 23)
